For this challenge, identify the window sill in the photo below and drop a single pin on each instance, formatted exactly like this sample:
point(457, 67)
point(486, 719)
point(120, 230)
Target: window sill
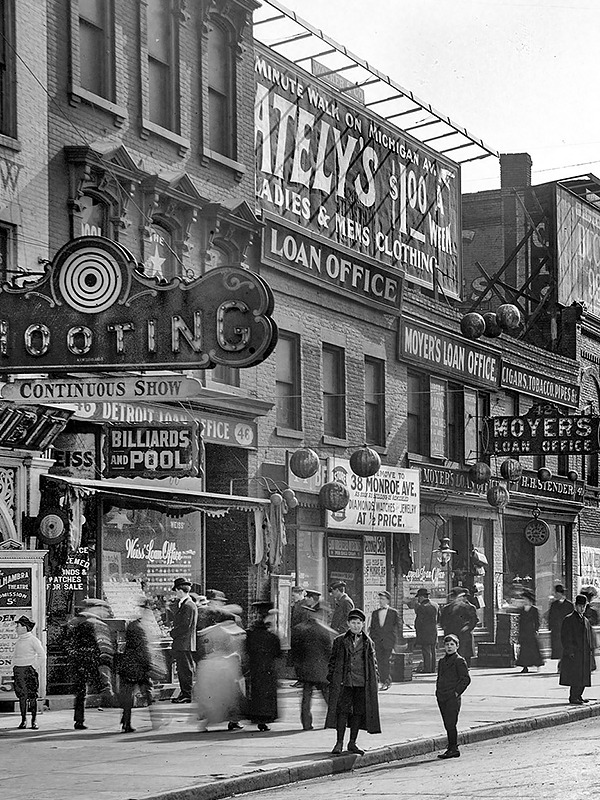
point(148, 127)
point(379, 448)
point(227, 388)
point(289, 433)
point(420, 459)
point(119, 113)
point(238, 169)
point(333, 441)
point(9, 143)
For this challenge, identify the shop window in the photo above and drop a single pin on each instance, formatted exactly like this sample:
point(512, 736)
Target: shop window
point(438, 418)
point(334, 391)
point(590, 469)
point(8, 120)
point(94, 216)
point(375, 401)
point(8, 263)
point(417, 414)
point(288, 382)
point(456, 423)
point(311, 561)
point(230, 376)
point(470, 426)
point(563, 464)
point(221, 109)
point(483, 411)
point(96, 57)
point(162, 44)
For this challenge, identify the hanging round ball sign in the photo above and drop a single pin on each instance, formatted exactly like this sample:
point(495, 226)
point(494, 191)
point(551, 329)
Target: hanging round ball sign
point(537, 532)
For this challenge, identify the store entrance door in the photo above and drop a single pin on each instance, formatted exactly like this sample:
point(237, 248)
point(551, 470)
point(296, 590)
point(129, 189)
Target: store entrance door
point(345, 563)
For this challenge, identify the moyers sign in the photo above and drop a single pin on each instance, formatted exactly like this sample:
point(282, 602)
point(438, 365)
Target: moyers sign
point(94, 310)
point(320, 261)
point(544, 433)
point(337, 170)
point(151, 451)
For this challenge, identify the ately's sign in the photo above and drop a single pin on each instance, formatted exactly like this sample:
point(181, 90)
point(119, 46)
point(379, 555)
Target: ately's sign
point(94, 309)
point(338, 170)
point(151, 451)
point(387, 501)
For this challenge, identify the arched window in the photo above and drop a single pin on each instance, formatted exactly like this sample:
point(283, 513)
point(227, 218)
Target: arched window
point(94, 216)
point(221, 119)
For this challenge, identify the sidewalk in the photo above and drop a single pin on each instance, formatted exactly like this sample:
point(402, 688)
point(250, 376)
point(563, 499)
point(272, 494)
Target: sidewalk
point(179, 763)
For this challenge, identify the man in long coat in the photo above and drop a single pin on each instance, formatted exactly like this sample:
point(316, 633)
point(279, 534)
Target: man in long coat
point(460, 618)
point(183, 633)
point(577, 660)
point(343, 605)
point(384, 631)
point(352, 676)
point(313, 641)
point(426, 616)
point(560, 608)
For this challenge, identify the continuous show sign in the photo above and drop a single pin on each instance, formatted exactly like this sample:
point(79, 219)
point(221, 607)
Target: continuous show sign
point(335, 169)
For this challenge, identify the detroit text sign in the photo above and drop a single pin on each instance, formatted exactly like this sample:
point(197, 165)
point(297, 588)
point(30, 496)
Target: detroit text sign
point(93, 309)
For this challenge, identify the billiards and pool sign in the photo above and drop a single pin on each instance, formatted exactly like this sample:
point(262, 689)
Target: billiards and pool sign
point(151, 451)
point(94, 310)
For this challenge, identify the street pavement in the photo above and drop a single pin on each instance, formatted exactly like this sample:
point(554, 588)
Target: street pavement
point(168, 758)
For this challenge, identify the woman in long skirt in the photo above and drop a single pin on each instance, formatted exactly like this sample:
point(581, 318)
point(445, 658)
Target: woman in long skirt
point(263, 650)
point(529, 625)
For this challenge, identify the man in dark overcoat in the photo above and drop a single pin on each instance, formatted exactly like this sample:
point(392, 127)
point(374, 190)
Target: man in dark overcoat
point(343, 605)
point(384, 631)
point(313, 641)
point(183, 633)
point(460, 618)
point(578, 659)
point(560, 608)
point(426, 616)
point(353, 677)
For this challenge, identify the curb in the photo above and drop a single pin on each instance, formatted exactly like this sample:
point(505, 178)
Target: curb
point(326, 767)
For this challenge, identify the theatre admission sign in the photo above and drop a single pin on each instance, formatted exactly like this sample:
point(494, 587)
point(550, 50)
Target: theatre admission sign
point(93, 309)
point(339, 171)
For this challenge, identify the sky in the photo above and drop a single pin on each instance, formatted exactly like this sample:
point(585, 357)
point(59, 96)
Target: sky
point(521, 75)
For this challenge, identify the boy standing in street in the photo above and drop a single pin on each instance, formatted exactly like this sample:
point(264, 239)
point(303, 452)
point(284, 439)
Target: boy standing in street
point(452, 679)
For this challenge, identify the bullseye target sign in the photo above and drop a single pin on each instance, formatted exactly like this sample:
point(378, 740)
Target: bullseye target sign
point(94, 309)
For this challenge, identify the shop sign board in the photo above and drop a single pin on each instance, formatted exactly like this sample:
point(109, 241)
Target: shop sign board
point(73, 577)
point(590, 566)
point(216, 428)
point(541, 435)
point(151, 451)
point(385, 502)
point(15, 587)
point(578, 248)
point(543, 386)
point(344, 548)
point(337, 269)
point(339, 171)
point(374, 571)
point(94, 309)
point(447, 354)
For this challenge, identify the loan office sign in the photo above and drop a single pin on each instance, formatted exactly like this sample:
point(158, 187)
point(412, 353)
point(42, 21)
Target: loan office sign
point(338, 171)
point(543, 431)
point(94, 310)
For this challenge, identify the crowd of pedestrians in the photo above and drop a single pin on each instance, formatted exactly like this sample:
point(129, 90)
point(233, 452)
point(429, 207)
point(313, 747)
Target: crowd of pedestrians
point(228, 674)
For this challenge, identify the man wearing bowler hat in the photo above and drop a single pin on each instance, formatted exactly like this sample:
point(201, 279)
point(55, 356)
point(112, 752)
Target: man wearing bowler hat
point(426, 616)
point(384, 630)
point(343, 605)
point(183, 633)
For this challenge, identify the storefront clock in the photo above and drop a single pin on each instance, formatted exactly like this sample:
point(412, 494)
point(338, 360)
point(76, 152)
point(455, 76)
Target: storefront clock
point(52, 526)
point(537, 532)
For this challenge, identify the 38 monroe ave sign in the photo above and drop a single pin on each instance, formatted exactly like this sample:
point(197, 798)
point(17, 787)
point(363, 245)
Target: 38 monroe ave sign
point(541, 434)
point(94, 310)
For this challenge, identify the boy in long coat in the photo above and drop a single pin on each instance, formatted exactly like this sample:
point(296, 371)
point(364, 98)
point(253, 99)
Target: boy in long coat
point(353, 679)
point(577, 660)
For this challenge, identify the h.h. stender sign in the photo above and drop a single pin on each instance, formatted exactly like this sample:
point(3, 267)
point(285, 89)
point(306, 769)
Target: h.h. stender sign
point(94, 310)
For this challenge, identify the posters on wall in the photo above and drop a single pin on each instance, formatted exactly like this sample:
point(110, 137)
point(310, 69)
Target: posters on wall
point(375, 571)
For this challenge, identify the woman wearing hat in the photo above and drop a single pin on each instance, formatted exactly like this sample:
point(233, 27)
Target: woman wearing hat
point(28, 658)
point(529, 625)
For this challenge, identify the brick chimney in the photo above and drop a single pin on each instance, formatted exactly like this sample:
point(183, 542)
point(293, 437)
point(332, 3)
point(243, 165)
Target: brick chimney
point(515, 170)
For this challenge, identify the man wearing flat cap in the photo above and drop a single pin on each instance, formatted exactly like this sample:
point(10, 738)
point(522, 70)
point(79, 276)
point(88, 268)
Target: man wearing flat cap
point(343, 604)
point(183, 633)
point(352, 676)
point(384, 630)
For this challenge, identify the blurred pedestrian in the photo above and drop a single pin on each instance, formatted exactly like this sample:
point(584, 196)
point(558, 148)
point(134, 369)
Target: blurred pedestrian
point(452, 680)
point(426, 617)
point(297, 614)
point(384, 631)
point(310, 606)
point(529, 624)
point(28, 660)
point(343, 604)
point(90, 652)
point(313, 642)
point(263, 653)
point(460, 618)
point(578, 660)
point(183, 633)
point(138, 664)
point(560, 608)
point(352, 677)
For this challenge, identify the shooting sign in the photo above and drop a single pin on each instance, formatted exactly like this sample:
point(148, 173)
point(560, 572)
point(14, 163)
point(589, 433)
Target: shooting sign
point(151, 451)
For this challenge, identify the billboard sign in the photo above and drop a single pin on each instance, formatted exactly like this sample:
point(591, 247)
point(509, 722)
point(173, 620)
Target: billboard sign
point(336, 169)
point(578, 248)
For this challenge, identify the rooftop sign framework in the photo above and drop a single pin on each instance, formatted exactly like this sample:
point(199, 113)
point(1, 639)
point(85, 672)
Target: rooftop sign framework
point(286, 33)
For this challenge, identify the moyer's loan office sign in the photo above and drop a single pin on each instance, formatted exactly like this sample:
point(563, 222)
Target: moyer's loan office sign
point(93, 309)
point(543, 431)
